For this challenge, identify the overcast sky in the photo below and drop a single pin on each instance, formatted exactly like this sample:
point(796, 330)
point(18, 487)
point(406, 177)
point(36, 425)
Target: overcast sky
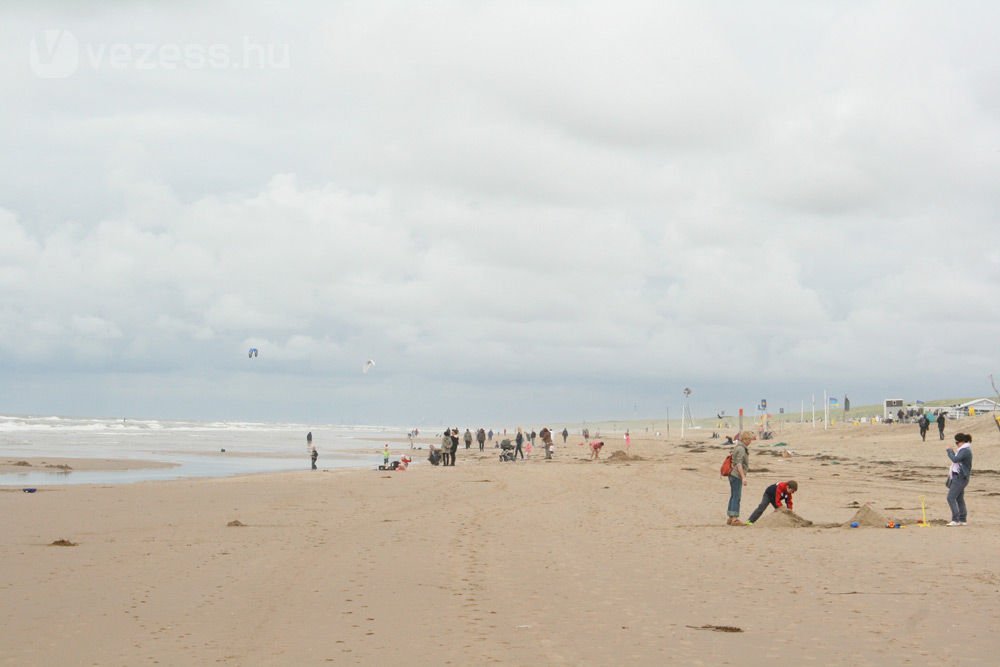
point(521, 211)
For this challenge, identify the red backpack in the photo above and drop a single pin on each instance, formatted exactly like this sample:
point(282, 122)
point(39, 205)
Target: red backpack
point(727, 466)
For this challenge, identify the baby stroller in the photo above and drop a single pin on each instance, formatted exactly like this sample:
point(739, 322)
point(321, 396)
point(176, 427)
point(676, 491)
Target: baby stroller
point(506, 450)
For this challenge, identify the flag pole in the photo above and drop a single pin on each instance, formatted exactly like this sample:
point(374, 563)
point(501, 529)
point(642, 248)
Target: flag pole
point(826, 411)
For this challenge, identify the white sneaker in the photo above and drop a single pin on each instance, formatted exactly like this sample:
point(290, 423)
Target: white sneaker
point(953, 523)
point(963, 523)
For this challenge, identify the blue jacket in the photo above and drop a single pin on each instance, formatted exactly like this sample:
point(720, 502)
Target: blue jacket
point(964, 460)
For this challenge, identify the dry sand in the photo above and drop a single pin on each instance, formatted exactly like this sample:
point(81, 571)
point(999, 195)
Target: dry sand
point(568, 562)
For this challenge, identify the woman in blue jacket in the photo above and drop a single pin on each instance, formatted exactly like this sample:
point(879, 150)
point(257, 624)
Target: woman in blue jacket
point(958, 478)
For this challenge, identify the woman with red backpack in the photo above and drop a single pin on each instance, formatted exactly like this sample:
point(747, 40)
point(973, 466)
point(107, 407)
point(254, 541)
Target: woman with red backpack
point(738, 477)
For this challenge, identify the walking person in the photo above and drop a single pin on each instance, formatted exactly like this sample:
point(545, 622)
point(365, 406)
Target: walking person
point(924, 424)
point(958, 478)
point(481, 438)
point(313, 454)
point(518, 441)
point(940, 423)
point(628, 442)
point(565, 434)
point(446, 447)
point(738, 477)
point(468, 438)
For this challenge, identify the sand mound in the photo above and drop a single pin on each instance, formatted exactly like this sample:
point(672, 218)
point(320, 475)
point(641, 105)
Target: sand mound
point(24, 464)
point(63, 543)
point(620, 455)
point(866, 516)
point(782, 518)
point(235, 523)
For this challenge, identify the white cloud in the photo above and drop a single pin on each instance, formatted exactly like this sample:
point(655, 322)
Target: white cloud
point(575, 196)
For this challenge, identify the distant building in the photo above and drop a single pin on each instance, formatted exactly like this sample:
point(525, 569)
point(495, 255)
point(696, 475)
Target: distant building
point(980, 405)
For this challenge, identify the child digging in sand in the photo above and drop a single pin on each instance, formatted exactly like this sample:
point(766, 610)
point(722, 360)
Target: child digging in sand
point(595, 449)
point(774, 495)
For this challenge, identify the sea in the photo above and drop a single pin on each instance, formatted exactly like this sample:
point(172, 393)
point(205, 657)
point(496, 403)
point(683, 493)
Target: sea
point(196, 449)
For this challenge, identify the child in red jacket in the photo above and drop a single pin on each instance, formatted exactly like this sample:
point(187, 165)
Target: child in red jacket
point(775, 495)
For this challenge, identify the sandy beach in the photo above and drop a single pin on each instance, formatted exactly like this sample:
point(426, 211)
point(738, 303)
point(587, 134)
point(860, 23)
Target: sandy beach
point(568, 562)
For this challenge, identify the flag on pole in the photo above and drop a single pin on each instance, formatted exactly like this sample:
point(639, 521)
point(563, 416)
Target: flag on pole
point(847, 404)
point(833, 401)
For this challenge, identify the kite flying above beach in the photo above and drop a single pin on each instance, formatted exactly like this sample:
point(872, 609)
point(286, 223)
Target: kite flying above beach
point(252, 353)
point(368, 365)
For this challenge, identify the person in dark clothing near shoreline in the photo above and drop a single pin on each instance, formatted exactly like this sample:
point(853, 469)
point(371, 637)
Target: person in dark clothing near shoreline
point(565, 434)
point(774, 495)
point(454, 445)
point(313, 454)
point(924, 424)
point(940, 423)
point(518, 441)
point(481, 438)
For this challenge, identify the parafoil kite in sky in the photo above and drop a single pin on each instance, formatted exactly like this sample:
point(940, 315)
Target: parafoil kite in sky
point(368, 366)
point(252, 353)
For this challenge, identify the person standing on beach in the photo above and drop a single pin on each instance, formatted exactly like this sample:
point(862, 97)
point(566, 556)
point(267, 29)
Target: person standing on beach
point(445, 447)
point(532, 436)
point(958, 478)
point(546, 435)
point(628, 442)
point(313, 454)
point(738, 477)
point(924, 424)
point(481, 438)
point(489, 435)
point(940, 423)
point(454, 445)
point(385, 454)
point(565, 434)
point(518, 442)
point(468, 438)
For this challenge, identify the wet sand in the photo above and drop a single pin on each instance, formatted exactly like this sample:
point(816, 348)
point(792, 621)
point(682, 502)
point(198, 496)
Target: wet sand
point(57, 464)
point(568, 562)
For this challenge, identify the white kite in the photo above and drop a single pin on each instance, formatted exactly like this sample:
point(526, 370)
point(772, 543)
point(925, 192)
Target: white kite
point(368, 365)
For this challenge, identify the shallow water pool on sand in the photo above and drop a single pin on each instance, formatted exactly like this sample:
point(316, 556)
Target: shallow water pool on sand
point(194, 448)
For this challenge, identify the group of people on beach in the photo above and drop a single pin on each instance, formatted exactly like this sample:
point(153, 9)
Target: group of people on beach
point(780, 494)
